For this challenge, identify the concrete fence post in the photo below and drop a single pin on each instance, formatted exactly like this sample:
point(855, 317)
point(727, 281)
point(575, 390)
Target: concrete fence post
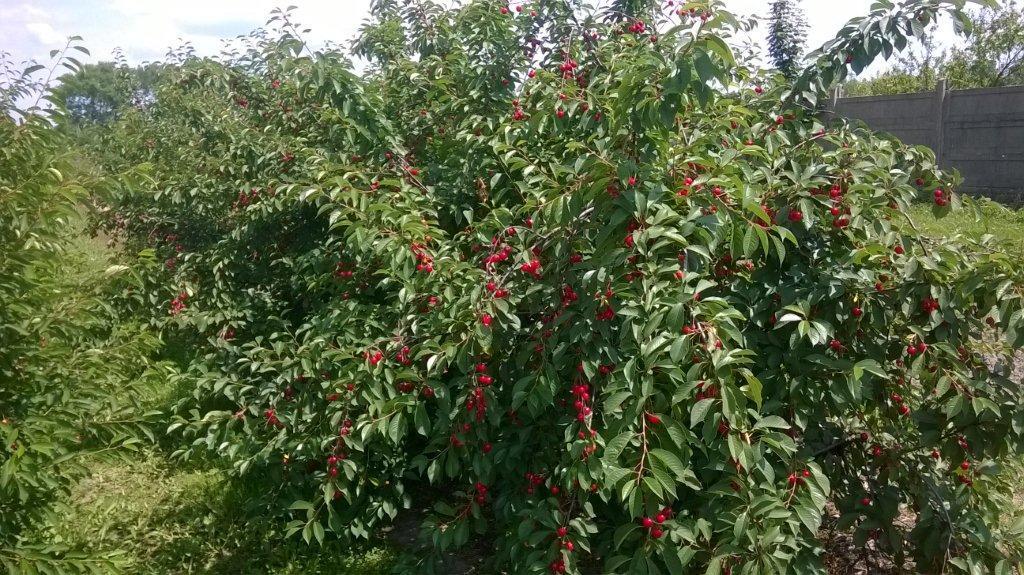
point(830, 106)
point(941, 105)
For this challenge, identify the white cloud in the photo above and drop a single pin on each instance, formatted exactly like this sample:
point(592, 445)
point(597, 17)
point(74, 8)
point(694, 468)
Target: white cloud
point(45, 33)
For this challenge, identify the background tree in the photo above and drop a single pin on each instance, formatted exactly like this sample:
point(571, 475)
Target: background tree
point(994, 54)
point(98, 93)
point(786, 35)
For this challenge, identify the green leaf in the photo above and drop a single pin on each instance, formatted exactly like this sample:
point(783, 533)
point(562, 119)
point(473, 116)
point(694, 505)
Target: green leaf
point(673, 463)
point(614, 447)
point(700, 410)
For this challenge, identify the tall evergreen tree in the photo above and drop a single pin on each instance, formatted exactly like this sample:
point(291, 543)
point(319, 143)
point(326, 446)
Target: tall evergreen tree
point(786, 35)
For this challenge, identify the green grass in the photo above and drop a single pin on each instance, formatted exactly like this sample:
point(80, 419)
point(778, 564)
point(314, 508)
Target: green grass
point(1006, 225)
point(168, 520)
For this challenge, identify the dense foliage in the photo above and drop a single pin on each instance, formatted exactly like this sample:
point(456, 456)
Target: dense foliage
point(66, 358)
point(624, 303)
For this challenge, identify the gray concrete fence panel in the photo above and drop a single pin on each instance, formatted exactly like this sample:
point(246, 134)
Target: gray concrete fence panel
point(978, 132)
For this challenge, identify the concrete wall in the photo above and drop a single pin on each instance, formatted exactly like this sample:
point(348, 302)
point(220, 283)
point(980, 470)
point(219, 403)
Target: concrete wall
point(978, 132)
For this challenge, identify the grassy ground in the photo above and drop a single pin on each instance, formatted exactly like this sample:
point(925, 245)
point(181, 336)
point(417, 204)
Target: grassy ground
point(1006, 225)
point(169, 520)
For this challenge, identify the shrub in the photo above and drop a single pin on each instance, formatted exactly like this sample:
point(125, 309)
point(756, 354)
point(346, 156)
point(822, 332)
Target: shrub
point(67, 362)
point(627, 304)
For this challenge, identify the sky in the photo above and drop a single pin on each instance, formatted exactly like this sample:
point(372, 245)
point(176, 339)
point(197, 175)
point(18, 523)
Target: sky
point(145, 29)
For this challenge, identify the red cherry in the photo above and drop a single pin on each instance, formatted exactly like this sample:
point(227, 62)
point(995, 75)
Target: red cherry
point(486, 319)
point(487, 447)
point(857, 312)
point(865, 501)
point(554, 490)
point(652, 419)
point(965, 465)
point(647, 522)
point(656, 533)
point(806, 473)
point(563, 531)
